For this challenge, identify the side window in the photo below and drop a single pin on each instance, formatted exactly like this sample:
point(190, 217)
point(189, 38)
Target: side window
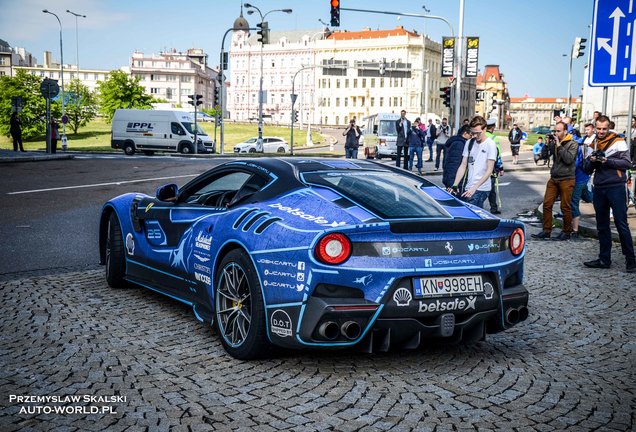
point(177, 129)
point(266, 140)
point(218, 191)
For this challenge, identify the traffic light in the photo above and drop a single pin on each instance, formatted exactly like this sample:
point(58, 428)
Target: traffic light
point(575, 116)
point(446, 95)
point(195, 99)
point(217, 93)
point(263, 33)
point(578, 48)
point(295, 116)
point(335, 13)
point(383, 66)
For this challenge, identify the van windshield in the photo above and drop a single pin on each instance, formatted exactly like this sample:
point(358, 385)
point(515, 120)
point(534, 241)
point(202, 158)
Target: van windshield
point(190, 127)
point(387, 128)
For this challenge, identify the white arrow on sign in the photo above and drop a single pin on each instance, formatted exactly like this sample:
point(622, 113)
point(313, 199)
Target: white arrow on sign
point(603, 43)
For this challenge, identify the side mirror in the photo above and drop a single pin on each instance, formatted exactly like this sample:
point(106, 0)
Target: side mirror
point(167, 192)
point(375, 129)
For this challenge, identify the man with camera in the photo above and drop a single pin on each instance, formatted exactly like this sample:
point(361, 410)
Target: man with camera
point(561, 182)
point(352, 141)
point(608, 162)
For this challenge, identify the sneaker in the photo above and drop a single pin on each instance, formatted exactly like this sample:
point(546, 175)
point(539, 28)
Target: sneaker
point(574, 235)
point(542, 235)
point(429, 160)
point(562, 236)
point(596, 264)
point(631, 266)
point(419, 173)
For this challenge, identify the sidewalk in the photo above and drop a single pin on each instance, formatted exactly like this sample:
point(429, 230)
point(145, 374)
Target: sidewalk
point(31, 156)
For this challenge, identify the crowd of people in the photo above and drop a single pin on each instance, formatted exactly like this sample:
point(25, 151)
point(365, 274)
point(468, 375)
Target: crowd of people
point(593, 167)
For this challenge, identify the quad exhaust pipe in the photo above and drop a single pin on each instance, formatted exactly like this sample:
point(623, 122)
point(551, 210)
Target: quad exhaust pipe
point(515, 315)
point(330, 330)
point(351, 330)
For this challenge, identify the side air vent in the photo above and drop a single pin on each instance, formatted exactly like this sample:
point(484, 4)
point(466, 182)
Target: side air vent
point(253, 220)
point(265, 224)
point(241, 218)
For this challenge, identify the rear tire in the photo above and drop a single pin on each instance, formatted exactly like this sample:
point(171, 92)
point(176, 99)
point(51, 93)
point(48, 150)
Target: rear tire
point(114, 253)
point(129, 148)
point(239, 309)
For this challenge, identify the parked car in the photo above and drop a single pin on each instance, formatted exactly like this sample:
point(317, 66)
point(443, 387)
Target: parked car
point(201, 116)
point(542, 130)
point(270, 145)
point(319, 254)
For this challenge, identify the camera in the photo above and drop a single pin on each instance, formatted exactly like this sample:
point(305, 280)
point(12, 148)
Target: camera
point(550, 138)
point(598, 154)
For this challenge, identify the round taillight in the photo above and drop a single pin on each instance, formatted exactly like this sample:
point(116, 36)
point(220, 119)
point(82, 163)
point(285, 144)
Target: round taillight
point(334, 248)
point(517, 241)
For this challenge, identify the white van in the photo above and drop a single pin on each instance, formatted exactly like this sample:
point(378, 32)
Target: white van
point(153, 130)
point(380, 135)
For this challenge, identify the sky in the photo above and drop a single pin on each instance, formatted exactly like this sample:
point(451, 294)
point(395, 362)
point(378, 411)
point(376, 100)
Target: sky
point(526, 38)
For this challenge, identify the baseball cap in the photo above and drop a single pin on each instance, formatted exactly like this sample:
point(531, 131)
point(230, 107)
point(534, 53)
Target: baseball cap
point(491, 122)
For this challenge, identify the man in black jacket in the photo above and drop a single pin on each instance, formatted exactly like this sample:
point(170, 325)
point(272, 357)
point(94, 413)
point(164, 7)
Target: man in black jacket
point(515, 142)
point(609, 162)
point(453, 158)
point(403, 129)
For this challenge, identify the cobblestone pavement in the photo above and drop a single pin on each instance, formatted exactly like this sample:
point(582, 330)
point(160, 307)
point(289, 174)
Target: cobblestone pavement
point(570, 366)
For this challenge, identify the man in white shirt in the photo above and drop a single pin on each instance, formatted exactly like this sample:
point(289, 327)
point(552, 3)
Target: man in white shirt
point(480, 154)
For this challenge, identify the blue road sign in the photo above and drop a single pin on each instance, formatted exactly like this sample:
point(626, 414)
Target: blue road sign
point(613, 44)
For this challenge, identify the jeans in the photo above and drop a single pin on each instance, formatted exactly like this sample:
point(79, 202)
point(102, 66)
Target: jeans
point(402, 149)
point(439, 149)
point(415, 151)
point(615, 198)
point(580, 192)
point(478, 198)
point(553, 189)
point(429, 142)
point(351, 152)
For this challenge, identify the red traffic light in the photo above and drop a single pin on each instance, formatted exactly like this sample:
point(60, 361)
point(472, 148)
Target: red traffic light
point(335, 3)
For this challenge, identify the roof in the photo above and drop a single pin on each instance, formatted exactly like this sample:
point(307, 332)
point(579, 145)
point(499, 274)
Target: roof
point(371, 34)
point(542, 100)
point(491, 71)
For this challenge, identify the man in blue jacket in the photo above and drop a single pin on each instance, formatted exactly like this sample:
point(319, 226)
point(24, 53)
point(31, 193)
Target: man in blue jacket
point(609, 163)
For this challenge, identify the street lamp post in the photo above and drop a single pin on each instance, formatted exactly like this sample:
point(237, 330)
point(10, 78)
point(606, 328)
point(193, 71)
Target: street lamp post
point(62, 77)
point(76, 38)
point(252, 8)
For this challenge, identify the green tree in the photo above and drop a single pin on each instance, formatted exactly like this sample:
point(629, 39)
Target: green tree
point(121, 91)
point(81, 105)
point(33, 113)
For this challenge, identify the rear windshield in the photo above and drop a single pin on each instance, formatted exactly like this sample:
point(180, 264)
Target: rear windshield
point(388, 195)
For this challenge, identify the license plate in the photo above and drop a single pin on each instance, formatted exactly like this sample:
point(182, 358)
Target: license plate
point(442, 286)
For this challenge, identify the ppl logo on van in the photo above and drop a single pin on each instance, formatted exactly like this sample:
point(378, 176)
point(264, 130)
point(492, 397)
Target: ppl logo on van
point(139, 127)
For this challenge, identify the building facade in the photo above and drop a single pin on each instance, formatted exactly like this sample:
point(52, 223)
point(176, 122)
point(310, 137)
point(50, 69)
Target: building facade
point(617, 107)
point(11, 57)
point(528, 112)
point(173, 76)
point(338, 76)
point(492, 98)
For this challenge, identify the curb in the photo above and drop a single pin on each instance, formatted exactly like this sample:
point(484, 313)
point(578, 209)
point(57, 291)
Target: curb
point(35, 158)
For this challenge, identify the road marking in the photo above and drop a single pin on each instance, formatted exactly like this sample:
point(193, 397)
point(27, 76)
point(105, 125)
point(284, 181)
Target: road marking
point(100, 184)
point(504, 184)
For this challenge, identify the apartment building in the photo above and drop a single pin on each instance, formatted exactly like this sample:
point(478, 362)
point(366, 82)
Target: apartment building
point(173, 75)
point(492, 98)
point(338, 75)
point(529, 112)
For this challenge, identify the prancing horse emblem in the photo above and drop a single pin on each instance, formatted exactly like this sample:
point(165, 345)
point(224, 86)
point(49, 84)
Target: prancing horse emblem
point(449, 248)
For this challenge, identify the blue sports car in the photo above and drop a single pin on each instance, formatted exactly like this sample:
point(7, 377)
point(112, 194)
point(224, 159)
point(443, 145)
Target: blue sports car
point(319, 253)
